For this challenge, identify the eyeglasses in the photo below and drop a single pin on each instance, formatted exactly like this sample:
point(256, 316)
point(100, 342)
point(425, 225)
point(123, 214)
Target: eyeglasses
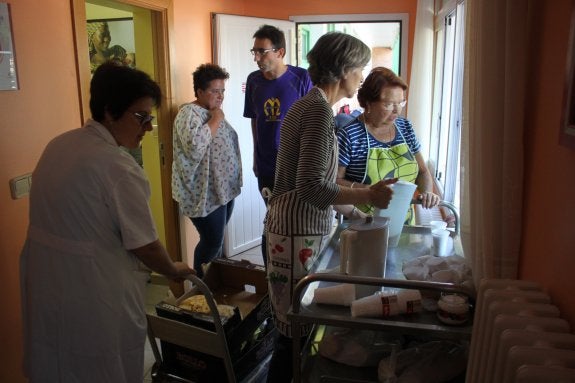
point(262, 51)
point(143, 119)
point(391, 106)
point(217, 91)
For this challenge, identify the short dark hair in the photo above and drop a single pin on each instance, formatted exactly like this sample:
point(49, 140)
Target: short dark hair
point(206, 73)
point(275, 35)
point(114, 88)
point(333, 55)
point(378, 78)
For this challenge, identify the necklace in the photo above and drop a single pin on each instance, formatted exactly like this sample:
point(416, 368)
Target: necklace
point(383, 134)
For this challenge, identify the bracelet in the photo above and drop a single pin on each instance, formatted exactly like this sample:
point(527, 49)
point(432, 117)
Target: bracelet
point(352, 212)
point(353, 183)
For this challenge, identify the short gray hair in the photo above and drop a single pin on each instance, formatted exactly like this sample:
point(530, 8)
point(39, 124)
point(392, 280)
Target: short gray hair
point(334, 54)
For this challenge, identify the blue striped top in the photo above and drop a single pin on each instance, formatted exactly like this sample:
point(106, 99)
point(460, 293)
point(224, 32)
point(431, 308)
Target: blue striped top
point(353, 145)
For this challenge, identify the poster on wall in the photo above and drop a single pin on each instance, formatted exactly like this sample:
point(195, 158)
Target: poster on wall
point(8, 75)
point(111, 39)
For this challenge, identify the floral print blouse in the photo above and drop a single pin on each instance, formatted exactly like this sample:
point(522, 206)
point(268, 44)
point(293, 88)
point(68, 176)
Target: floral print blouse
point(206, 170)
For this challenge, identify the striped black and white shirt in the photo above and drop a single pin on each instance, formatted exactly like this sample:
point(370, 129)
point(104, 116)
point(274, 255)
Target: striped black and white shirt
point(306, 169)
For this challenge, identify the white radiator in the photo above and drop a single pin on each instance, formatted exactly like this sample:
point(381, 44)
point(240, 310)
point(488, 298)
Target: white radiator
point(518, 336)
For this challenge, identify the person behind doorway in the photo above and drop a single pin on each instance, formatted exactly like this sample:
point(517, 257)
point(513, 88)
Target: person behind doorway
point(207, 166)
point(91, 242)
point(270, 92)
point(300, 214)
point(380, 143)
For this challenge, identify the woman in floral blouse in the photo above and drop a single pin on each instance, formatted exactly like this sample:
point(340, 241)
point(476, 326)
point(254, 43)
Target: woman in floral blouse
point(207, 170)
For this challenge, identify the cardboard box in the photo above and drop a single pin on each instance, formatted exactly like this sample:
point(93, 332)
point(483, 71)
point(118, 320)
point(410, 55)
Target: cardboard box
point(249, 332)
point(199, 367)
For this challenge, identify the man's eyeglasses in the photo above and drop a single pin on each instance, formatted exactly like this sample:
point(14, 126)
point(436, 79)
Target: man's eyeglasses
point(143, 119)
point(262, 51)
point(391, 106)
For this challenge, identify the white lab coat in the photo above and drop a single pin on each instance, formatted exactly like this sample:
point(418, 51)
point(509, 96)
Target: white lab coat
point(82, 292)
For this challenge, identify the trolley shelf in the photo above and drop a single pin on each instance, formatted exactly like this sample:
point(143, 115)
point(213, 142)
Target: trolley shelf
point(415, 242)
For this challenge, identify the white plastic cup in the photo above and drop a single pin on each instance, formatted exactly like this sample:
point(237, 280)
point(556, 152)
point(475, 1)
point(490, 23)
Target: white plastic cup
point(342, 294)
point(438, 225)
point(440, 242)
point(387, 303)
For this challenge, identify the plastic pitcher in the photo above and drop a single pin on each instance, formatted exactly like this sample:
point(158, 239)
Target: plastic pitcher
point(363, 251)
point(397, 209)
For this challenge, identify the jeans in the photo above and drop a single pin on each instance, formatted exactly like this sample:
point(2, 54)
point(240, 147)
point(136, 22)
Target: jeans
point(211, 229)
point(265, 182)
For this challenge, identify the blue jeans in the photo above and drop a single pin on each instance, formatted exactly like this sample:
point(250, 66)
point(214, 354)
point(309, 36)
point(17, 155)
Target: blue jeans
point(211, 229)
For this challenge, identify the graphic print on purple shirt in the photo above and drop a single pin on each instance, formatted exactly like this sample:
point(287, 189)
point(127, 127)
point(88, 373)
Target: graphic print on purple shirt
point(268, 102)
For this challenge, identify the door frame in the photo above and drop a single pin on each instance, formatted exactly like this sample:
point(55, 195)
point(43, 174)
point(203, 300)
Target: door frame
point(162, 22)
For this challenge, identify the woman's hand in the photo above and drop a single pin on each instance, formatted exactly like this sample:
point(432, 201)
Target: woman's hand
point(182, 271)
point(216, 118)
point(429, 199)
point(350, 211)
point(381, 193)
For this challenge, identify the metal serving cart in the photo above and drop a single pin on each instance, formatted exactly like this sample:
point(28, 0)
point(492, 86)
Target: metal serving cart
point(415, 241)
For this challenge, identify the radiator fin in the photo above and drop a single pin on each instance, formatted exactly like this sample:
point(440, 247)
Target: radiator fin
point(515, 323)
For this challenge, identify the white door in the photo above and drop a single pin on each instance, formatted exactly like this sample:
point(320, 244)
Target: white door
point(232, 43)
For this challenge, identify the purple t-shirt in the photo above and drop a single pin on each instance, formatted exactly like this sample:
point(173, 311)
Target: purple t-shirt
point(268, 102)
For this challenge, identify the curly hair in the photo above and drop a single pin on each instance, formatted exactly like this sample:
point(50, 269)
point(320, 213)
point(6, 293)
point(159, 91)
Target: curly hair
point(333, 55)
point(378, 78)
point(206, 73)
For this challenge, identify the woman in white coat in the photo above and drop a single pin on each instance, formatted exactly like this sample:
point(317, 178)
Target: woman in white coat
point(92, 240)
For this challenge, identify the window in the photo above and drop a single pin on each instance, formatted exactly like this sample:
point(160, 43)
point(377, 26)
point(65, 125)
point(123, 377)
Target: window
point(385, 34)
point(447, 102)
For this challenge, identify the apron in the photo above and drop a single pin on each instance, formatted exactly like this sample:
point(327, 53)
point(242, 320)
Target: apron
point(289, 260)
point(395, 161)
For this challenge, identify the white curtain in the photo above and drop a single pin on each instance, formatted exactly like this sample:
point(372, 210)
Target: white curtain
point(496, 64)
point(421, 80)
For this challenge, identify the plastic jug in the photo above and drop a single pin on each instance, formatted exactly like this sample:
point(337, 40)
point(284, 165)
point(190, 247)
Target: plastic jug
point(397, 209)
point(363, 251)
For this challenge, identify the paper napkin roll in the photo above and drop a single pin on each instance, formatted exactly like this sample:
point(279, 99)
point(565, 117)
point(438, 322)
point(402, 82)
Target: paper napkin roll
point(342, 294)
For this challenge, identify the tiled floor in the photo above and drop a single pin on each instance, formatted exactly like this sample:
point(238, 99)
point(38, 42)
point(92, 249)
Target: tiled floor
point(156, 293)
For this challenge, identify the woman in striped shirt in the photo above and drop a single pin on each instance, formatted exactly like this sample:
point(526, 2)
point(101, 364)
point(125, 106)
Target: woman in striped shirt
point(300, 212)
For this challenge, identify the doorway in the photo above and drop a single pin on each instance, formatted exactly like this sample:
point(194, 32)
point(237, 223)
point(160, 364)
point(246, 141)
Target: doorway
point(139, 28)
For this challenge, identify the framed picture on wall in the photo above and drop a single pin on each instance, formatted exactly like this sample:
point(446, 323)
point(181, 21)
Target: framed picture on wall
point(8, 74)
point(567, 131)
point(111, 39)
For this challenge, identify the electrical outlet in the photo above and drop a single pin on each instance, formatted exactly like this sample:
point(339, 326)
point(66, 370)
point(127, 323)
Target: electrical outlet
point(20, 186)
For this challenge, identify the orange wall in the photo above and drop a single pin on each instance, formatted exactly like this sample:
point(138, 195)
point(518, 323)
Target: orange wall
point(45, 105)
point(548, 253)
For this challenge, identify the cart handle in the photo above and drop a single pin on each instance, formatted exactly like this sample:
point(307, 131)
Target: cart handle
point(204, 289)
point(373, 281)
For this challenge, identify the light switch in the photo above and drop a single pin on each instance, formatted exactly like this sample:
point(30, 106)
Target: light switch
point(20, 186)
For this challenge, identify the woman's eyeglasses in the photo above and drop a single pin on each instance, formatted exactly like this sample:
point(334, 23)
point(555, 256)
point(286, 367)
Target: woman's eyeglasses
point(391, 106)
point(143, 119)
point(262, 51)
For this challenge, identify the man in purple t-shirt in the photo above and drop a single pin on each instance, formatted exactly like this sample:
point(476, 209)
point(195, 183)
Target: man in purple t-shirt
point(270, 92)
